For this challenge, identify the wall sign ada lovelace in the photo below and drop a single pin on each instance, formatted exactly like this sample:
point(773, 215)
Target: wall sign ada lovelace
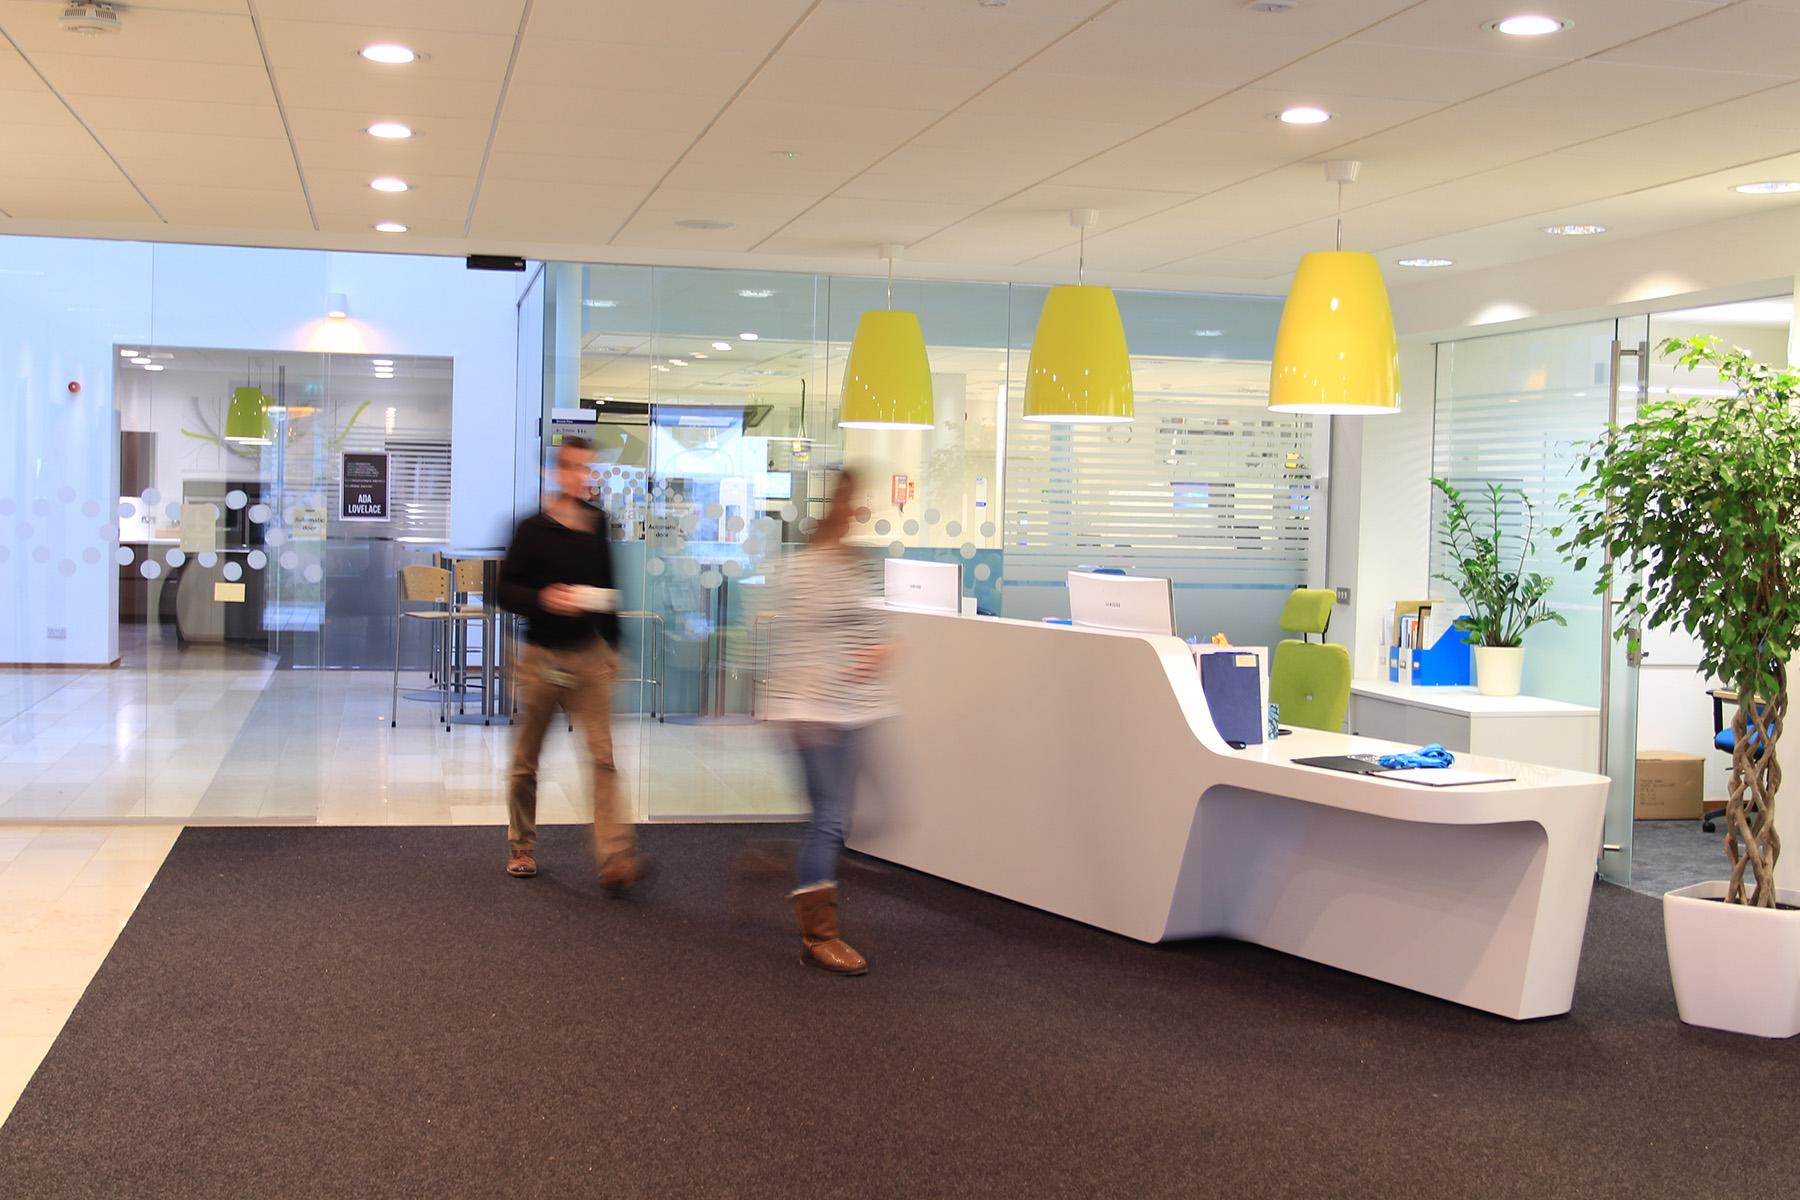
point(365, 487)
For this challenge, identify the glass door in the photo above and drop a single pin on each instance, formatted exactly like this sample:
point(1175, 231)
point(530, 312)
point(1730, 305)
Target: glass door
point(1516, 409)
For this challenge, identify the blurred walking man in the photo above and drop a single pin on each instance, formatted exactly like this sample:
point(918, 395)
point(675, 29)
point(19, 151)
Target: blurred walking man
point(558, 575)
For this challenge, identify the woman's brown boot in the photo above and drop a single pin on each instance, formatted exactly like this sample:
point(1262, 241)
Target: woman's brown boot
point(816, 907)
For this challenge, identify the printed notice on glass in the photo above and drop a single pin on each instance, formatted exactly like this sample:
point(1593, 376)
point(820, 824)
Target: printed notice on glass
point(365, 495)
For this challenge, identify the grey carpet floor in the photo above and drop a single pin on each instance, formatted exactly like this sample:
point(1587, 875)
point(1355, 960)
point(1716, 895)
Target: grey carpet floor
point(1666, 855)
point(379, 1012)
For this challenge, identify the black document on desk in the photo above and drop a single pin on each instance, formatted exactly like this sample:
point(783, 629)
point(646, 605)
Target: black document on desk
point(1355, 764)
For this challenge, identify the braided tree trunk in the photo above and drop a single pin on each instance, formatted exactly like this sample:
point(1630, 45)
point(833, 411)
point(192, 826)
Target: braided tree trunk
point(1750, 837)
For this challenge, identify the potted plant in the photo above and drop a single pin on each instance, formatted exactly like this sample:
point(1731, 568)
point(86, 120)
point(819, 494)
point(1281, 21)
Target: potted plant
point(1504, 599)
point(1694, 508)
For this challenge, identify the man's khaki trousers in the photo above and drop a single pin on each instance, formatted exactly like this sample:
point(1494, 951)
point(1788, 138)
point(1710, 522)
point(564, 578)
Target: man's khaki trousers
point(579, 681)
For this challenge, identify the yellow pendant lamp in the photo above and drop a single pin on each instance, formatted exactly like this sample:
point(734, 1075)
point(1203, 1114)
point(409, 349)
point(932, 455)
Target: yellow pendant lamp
point(887, 380)
point(247, 420)
point(1080, 372)
point(1335, 353)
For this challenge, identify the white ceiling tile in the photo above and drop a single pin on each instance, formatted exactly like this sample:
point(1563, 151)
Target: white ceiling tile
point(951, 32)
point(118, 114)
point(209, 203)
point(582, 213)
point(586, 170)
point(74, 164)
point(153, 79)
point(168, 35)
point(932, 87)
point(1366, 68)
point(1737, 38)
point(367, 157)
point(393, 20)
point(373, 98)
point(1310, 24)
point(231, 162)
point(432, 196)
point(1049, 96)
point(1595, 26)
point(95, 200)
point(560, 62)
point(754, 174)
point(676, 23)
point(927, 176)
point(320, 47)
point(37, 107)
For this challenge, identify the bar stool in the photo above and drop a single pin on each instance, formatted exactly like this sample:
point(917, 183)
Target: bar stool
point(650, 662)
point(467, 581)
point(423, 585)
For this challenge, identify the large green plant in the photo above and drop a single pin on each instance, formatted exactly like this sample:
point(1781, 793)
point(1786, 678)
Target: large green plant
point(1505, 600)
point(1694, 507)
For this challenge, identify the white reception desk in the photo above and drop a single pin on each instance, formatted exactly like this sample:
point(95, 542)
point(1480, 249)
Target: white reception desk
point(1078, 771)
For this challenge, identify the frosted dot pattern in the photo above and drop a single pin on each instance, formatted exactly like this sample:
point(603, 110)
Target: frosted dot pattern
point(911, 528)
point(983, 572)
point(123, 556)
point(175, 557)
point(91, 555)
point(40, 554)
point(968, 550)
point(932, 516)
point(258, 560)
point(259, 514)
point(953, 529)
point(235, 499)
point(289, 560)
point(150, 568)
point(233, 572)
point(884, 527)
point(313, 573)
point(66, 567)
point(208, 559)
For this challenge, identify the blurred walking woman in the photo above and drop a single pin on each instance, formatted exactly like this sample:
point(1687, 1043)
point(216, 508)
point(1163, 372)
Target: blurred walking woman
point(826, 689)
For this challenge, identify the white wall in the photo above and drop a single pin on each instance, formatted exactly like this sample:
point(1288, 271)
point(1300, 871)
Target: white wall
point(1381, 510)
point(66, 304)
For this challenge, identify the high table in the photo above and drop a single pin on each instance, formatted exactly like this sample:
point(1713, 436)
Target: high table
point(1078, 771)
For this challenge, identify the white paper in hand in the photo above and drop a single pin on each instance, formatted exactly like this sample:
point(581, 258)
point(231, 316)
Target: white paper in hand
point(596, 599)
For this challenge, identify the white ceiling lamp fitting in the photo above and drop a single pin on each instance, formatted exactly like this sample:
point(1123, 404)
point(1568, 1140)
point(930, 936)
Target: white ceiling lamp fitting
point(1341, 171)
point(338, 307)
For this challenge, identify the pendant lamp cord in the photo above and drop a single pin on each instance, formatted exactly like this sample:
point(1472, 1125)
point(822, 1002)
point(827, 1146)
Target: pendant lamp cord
point(1081, 258)
point(890, 285)
point(1340, 215)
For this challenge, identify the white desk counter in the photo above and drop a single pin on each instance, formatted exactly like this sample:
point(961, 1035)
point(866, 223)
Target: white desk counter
point(1549, 732)
point(1078, 771)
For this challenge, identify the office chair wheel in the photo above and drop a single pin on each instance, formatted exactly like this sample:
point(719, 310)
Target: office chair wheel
point(1706, 827)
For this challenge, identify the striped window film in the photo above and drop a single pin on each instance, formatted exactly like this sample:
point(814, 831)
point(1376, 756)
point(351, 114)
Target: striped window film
point(418, 481)
point(1222, 499)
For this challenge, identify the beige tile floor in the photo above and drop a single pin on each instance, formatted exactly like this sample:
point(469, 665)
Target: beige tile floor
point(65, 892)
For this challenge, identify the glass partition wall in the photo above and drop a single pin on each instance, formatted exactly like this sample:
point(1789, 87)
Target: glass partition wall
point(713, 398)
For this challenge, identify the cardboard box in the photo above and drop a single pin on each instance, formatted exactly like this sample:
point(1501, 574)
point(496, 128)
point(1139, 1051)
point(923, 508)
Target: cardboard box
point(1669, 786)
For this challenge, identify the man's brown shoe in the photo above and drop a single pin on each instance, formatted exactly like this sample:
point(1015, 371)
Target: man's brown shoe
point(623, 872)
point(521, 865)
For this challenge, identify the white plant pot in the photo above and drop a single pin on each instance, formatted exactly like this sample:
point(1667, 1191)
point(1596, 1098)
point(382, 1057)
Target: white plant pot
point(1735, 968)
point(1498, 669)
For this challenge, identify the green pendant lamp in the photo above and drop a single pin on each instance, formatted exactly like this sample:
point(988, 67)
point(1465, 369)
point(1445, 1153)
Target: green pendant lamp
point(247, 420)
point(1336, 353)
point(887, 380)
point(1080, 372)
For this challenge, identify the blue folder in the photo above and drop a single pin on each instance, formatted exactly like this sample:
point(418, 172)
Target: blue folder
point(1234, 695)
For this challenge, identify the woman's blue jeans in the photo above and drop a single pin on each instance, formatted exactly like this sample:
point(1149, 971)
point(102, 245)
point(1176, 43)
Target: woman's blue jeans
point(829, 756)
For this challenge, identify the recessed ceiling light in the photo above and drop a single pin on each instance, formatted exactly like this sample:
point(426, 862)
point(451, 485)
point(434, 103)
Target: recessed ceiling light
point(154, 367)
point(387, 183)
point(1528, 25)
point(390, 227)
point(390, 129)
point(1304, 114)
point(746, 337)
point(128, 354)
point(1426, 262)
point(140, 361)
point(381, 362)
point(1574, 230)
point(662, 368)
point(702, 223)
point(609, 400)
point(785, 153)
point(389, 53)
point(1772, 187)
point(756, 293)
point(678, 362)
point(1209, 333)
point(601, 303)
point(721, 345)
point(699, 354)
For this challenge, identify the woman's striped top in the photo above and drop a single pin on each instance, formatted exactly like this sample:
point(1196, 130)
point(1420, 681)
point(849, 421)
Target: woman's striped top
point(825, 630)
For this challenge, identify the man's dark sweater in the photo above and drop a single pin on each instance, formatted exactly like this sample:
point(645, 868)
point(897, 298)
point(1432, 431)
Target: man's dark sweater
point(545, 551)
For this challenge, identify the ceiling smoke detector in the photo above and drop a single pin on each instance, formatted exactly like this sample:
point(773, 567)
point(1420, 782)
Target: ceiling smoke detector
point(91, 17)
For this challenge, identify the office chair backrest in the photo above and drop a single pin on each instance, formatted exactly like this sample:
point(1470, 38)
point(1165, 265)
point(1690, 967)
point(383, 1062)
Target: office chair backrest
point(1308, 610)
point(1310, 681)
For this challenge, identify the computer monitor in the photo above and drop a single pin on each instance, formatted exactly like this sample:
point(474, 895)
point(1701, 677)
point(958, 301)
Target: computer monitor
point(922, 586)
point(1131, 603)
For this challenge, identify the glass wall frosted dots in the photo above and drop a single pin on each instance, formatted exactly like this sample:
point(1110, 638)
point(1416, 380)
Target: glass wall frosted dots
point(714, 398)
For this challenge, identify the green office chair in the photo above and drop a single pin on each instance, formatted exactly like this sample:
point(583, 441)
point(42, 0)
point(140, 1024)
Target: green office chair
point(1310, 681)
